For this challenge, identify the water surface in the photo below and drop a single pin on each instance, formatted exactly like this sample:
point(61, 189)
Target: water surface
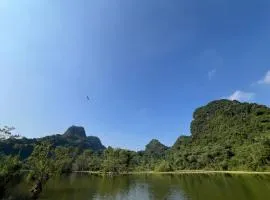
point(159, 187)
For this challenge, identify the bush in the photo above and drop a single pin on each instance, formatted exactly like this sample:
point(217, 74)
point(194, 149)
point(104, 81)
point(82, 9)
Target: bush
point(164, 166)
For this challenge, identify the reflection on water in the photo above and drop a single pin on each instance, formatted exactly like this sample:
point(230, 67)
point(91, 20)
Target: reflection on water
point(159, 187)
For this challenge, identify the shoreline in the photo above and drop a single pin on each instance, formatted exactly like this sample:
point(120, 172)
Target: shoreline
point(175, 172)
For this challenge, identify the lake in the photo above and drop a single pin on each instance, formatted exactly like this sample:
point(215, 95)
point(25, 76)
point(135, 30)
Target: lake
point(159, 187)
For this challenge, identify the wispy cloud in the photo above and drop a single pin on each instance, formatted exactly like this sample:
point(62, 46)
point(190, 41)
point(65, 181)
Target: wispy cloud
point(211, 61)
point(265, 79)
point(241, 96)
point(211, 74)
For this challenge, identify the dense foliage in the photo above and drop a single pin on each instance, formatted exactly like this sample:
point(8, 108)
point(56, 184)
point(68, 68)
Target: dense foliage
point(226, 135)
point(9, 173)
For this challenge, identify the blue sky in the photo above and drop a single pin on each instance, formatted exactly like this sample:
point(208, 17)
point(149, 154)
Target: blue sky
point(146, 65)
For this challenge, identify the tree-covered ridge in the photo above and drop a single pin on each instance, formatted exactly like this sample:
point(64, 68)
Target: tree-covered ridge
point(73, 137)
point(230, 119)
point(155, 148)
point(226, 135)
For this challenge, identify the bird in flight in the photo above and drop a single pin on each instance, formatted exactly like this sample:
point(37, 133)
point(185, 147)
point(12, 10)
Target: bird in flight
point(87, 97)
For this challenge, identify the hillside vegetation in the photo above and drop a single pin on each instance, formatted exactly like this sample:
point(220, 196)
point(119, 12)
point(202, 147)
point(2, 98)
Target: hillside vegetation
point(226, 135)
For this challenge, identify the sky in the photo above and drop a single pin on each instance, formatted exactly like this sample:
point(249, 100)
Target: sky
point(145, 65)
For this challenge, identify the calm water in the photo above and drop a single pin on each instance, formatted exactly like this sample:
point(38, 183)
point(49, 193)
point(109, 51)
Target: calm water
point(140, 187)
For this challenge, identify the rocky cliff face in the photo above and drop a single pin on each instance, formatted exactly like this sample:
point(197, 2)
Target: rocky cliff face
point(75, 131)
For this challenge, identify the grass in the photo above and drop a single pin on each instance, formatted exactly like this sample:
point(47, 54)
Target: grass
point(181, 172)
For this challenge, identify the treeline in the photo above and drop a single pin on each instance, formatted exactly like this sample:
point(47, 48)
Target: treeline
point(225, 135)
point(47, 161)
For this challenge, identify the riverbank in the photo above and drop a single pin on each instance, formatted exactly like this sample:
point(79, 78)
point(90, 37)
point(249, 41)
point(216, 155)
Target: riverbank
point(178, 172)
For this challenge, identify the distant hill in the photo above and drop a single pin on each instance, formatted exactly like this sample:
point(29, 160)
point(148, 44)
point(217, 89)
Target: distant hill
point(74, 137)
point(155, 148)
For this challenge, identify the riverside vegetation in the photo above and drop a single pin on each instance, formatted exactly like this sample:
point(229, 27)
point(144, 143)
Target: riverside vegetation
point(225, 135)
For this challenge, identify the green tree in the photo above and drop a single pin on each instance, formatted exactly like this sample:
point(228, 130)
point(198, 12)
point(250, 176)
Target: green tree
point(9, 173)
point(64, 157)
point(163, 166)
point(42, 166)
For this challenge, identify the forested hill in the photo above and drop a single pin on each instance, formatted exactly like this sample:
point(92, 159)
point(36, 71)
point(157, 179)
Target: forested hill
point(226, 135)
point(230, 120)
point(155, 148)
point(74, 137)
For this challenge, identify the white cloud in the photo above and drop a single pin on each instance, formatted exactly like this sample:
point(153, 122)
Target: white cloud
point(241, 96)
point(211, 74)
point(266, 79)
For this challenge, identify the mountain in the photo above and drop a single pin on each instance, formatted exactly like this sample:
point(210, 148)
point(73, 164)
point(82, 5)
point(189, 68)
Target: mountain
point(73, 137)
point(75, 132)
point(155, 148)
point(226, 135)
point(230, 120)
